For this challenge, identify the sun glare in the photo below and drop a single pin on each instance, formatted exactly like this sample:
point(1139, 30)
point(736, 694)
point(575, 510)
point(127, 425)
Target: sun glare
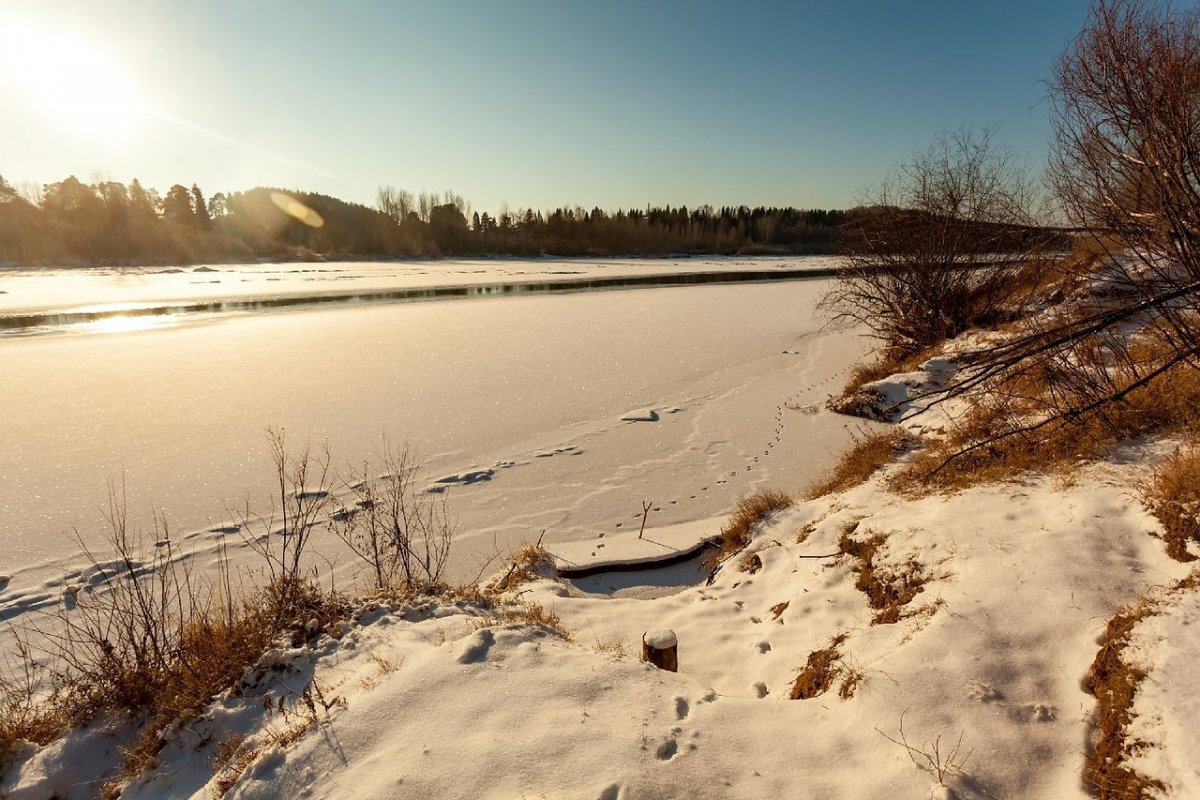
point(72, 80)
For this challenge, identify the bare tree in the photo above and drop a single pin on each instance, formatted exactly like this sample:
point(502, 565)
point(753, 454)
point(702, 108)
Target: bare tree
point(1126, 169)
point(931, 252)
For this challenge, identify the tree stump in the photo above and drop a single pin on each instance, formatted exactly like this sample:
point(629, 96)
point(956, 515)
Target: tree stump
point(661, 648)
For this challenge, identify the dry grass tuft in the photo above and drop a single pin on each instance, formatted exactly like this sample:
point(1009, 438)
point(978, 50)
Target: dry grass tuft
point(822, 670)
point(215, 649)
point(778, 609)
point(233, 759)
point(1114, 682)
point(613, 647)
point(888, 589)
point(852, 677)
point(860, 462)
point(1173, 495)
point(528, 613)
point(530, 563)
point(749, 512)
point(27, 714)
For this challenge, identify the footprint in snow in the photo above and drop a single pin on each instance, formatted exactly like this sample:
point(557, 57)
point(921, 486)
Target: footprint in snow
point(667, 750)
point(681, 708)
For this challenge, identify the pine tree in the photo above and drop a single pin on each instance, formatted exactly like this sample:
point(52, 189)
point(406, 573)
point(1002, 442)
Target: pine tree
point(200, 215)
point(177, 206)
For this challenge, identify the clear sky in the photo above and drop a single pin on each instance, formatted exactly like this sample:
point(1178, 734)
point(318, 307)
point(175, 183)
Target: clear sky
point(529, 103)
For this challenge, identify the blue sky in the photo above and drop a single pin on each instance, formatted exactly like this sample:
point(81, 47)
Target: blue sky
point(526, 103)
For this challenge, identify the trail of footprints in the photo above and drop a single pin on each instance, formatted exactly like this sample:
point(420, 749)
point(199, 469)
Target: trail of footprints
point(791, 401)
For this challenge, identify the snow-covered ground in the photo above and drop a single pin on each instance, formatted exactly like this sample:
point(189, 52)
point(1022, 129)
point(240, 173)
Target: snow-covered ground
point(438, 701)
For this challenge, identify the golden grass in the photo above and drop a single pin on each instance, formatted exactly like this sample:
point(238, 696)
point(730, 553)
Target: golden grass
point(530, 563)
point(529, 613)
point(26, 716)
point(233, 759)
point(888, 590)
point(215, 648)
point(1114, 683)
point(860, 462)
point(1172, 494)
point(822, 670)
point(749, 512)
point(1169, 404)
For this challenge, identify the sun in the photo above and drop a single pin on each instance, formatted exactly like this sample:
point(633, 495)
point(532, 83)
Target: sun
point(75, 82)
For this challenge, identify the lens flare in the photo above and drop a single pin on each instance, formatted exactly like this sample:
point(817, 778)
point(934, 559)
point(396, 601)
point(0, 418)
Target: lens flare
point(293, 207)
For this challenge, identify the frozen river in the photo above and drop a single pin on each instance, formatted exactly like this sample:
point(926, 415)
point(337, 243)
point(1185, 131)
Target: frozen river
point(534, 390)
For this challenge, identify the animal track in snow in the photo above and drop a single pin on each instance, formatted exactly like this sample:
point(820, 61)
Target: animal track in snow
point(681, 708)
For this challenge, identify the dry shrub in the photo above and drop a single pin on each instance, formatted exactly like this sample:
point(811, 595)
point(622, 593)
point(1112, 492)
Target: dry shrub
point(822, 670)
point(933, 252)
point(401, 532)
point(214, 649)
point(996, 441)
point(749, 512)
point(1173, 495)
point(860, 462)
point(888, 589)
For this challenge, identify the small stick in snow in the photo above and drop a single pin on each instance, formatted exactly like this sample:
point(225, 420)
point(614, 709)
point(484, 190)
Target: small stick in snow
point(645, 512)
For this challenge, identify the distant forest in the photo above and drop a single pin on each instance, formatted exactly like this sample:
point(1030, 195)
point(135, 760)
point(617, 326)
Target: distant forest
point(108, 222)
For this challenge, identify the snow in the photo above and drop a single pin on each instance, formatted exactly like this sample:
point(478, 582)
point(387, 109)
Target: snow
point(445, 699)
point(512, 406)
point(660, 639)
point(634, 546)
point(1166, 707)
point(441, 701)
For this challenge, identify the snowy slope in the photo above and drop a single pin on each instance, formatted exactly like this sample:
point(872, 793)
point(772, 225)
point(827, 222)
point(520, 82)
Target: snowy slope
point(439, 701)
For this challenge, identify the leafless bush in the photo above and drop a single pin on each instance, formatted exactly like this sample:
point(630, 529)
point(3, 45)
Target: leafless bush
point(930, 756)
point(932, 251)
point(139, 635)
point(400, 531)
point(1126, 169)
point(304, 481)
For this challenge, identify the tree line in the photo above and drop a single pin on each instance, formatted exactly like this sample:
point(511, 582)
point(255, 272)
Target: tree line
point(108, 222)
